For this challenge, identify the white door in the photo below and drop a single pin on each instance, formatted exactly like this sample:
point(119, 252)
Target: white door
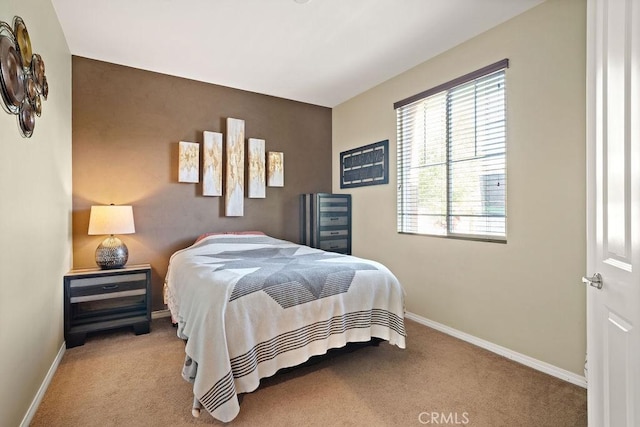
point(613, 212)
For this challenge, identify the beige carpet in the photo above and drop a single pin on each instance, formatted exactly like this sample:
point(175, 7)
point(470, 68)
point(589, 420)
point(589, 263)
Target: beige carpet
point(119, 379)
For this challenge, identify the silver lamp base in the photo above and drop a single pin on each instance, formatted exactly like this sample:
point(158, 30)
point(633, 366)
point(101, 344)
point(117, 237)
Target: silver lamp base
point(111, 253)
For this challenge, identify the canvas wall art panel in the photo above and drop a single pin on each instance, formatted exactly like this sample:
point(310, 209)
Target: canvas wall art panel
point(212, 164)
point(188, 161)
point(275, 174)
point(256, 161)
point(234, 184)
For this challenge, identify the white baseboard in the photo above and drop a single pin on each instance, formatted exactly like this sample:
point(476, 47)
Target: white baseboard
point(502, 351)
point(33, 408)
point(158, 314)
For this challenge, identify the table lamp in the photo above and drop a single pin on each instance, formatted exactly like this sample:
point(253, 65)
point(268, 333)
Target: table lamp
point(112, 252)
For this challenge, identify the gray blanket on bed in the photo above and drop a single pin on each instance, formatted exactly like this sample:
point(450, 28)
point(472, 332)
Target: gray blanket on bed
point(250, 305)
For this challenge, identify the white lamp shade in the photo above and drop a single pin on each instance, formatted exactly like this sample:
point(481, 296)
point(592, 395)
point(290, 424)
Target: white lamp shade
point(111, 220)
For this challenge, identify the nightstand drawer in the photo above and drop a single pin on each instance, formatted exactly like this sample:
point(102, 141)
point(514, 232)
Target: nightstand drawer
point(95, 281)
point(104, 286)
point(109, 295)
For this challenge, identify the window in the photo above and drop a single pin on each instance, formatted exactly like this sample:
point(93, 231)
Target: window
point(452, 158)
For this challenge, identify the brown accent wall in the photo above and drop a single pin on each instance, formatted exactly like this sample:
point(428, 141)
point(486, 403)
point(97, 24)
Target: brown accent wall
point(126, 127)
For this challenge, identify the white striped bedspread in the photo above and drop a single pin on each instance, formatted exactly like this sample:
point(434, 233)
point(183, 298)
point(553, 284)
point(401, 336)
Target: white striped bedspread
point(249, 305)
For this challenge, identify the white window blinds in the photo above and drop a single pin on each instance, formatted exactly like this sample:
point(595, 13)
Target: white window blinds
point(451, 158)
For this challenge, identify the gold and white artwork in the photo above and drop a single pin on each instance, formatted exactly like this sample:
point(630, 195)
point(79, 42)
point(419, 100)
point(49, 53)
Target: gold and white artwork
point(256, 168)
point(275, 175)
point(188, 162)
point(234, 185)
point(212, 164)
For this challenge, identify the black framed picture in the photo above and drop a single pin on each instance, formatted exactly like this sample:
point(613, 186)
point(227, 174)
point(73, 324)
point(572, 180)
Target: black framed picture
point(367, 165)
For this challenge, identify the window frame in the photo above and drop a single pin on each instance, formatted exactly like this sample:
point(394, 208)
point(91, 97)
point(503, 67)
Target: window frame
point(501, 65)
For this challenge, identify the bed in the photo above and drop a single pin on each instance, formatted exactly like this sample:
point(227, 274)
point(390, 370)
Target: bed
point(249, 305)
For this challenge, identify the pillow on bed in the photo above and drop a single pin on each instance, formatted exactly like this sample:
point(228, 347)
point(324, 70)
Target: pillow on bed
point(202, 236)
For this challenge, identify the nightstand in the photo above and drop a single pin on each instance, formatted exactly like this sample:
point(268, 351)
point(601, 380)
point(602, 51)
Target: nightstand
point(97, 300)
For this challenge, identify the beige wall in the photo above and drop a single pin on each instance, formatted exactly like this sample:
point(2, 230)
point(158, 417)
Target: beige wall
point(525, 295)
point(35, 224)
point(126, 127)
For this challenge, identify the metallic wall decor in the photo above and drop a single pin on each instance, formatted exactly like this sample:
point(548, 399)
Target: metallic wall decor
point(275, 176)
point(212, 164)
point(234, 185)
point(256, 168)
point(367, 165)
point(188, 162)
point(23, 83)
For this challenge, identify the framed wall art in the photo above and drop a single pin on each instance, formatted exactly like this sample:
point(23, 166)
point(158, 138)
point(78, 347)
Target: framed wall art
point(367, 165)
point(212, 164)
point(234, 185)
point(188, 161)
point(256, 163)
point(275, 174)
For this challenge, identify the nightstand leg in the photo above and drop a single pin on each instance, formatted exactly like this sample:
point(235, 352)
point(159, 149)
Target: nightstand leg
point(75, 339)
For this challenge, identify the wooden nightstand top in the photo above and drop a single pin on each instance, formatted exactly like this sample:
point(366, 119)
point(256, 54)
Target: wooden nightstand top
point(97, 270)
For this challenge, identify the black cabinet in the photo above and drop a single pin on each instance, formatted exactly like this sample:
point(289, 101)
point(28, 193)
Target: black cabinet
point(96, 300)
point(325, 221)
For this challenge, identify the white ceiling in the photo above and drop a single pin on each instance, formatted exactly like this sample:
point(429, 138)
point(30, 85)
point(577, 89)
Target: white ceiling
point(322, 52)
